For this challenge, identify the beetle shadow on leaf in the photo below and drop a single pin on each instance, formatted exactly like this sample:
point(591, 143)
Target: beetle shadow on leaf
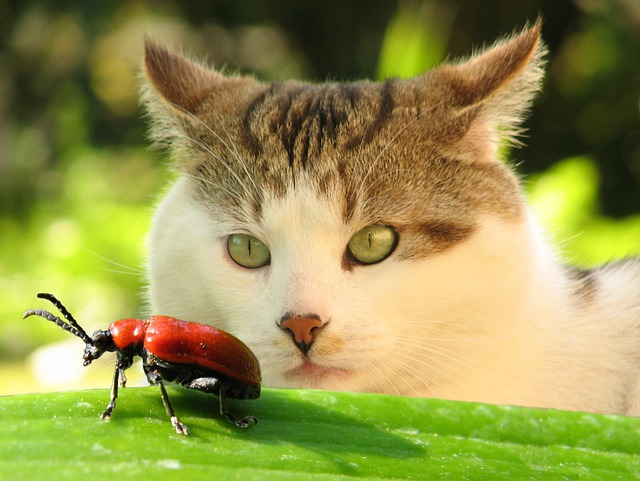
point(325, 423)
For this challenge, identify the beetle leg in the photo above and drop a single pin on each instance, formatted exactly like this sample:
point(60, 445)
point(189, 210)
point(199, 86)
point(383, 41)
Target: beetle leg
point(106, 415)
point(154, 378)
point(119, 380)
point(224, 410)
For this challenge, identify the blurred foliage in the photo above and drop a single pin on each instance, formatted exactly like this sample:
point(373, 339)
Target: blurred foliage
point(77, 183)
point(415, 39)
point(565, 199)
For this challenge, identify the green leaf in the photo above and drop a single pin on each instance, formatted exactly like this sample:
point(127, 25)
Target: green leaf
point(303, 434)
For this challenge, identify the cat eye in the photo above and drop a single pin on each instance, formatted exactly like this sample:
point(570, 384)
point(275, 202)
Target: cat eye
point(373, 244)
point(247, 251)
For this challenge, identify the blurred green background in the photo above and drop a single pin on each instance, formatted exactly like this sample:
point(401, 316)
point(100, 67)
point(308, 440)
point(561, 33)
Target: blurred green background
point(78, 183)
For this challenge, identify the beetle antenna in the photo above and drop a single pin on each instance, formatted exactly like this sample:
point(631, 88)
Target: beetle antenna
point(63, 310)
point(71, 325)
point(58, 322)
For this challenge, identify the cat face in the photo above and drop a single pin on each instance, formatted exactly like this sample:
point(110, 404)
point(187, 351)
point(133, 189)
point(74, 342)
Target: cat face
point(353, 235)
point(380, 326)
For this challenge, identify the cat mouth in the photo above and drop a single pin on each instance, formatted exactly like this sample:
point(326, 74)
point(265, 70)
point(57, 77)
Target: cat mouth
point(309, 369)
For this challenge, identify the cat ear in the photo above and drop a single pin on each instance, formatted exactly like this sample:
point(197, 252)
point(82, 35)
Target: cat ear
point(183, 99)
point(486, 97)
point(182, 84)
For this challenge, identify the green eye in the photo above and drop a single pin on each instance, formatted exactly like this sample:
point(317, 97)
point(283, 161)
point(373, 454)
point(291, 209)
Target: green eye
point(247, 251)
point(373, 244)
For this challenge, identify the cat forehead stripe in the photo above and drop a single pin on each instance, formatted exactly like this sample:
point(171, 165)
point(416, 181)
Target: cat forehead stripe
point(306, 117)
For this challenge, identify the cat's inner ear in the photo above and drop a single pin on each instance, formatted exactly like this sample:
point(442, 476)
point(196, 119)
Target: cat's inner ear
point(486, 96)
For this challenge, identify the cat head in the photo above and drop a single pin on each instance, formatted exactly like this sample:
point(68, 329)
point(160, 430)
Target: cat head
point(344, 231)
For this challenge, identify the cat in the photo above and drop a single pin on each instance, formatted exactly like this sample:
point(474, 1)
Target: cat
point(367, 236)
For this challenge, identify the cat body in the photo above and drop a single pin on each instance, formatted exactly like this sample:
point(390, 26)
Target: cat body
point(366, 237)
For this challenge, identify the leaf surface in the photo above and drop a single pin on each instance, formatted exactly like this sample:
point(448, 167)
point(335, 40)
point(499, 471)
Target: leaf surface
point(304, 434)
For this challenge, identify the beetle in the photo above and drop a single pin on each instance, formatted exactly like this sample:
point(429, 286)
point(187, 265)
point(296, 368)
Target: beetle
point(194, 355)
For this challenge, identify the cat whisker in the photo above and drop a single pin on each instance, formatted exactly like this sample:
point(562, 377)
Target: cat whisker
point(364, 207)
point(473, 339)
point(236, 153)
point(455, 328)
point(125, 273)
point(126, 269)
point(391, 386)
point(248, 223)
point(434, 345)
point(220, 160)
point(230, 146)
point(388, 145)
point(218, 186)
point(456, 361)
point(441, 351)
point(435, 360)
point(400, 374)
point(452, 367)
point(408, 374)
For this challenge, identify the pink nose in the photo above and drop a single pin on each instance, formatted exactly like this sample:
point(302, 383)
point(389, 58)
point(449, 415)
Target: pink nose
point(303, 330)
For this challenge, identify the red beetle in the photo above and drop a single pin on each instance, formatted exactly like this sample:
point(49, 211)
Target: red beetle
point(191, 354)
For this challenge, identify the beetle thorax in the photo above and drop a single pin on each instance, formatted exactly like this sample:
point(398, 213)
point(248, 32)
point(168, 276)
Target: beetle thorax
point(128, 334)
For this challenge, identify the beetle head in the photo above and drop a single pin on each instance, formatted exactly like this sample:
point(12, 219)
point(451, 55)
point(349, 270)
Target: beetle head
point(95, 346)
point(100, 342)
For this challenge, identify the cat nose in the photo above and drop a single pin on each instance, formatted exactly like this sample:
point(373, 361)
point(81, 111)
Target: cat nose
point(303, 330)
